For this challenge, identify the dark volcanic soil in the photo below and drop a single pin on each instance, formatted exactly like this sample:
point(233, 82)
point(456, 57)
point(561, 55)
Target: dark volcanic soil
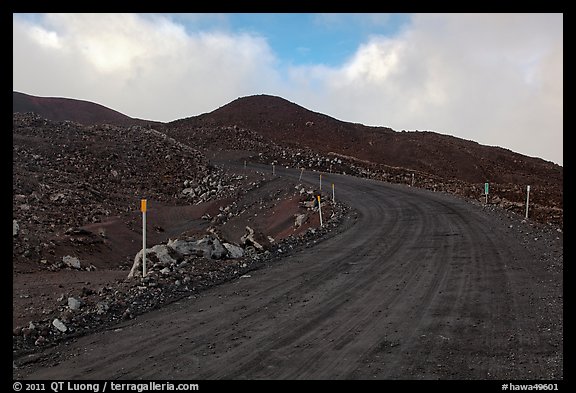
point(409, 283)
point(287, 123)
point(413, 285)
point(62, 109)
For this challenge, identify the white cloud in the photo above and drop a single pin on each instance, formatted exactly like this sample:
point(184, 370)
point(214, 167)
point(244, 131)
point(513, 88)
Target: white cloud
point(493, 78)
point(45, 38)
point(147, 67)
point(496, 79)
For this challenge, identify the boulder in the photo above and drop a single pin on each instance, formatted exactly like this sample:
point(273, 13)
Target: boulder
point(71, 261)
point(300, 219)
point(164, 254)
point(59, 325)
point(160, 253)
point(211, 248)
point(257, 240)
point(218, 250)
point(177, 249)
point(234, 251)
point(74, 304)
point(183, 246)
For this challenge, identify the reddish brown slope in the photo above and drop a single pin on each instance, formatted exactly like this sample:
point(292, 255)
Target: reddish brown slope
point(61, 109)
point(287, 123)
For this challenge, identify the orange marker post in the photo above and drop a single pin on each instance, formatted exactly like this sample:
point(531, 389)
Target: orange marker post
point(143, 210)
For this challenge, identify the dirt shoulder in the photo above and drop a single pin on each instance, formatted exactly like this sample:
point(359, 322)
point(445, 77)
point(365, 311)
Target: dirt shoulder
point(268, 205)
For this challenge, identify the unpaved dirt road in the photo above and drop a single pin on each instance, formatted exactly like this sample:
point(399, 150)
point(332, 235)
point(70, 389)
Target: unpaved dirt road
point(417, 285)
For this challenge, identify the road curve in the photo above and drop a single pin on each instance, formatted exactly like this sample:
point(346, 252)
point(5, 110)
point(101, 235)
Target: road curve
point(420, 285)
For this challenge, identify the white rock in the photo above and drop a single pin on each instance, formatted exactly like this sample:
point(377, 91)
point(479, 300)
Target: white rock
point(234, 251)
point(184, 247)
point(162, 253)
point(250, 237)
point(300, 219)
point(59, 325)
point(71, 261)
point(74, 304)
point(188, 191)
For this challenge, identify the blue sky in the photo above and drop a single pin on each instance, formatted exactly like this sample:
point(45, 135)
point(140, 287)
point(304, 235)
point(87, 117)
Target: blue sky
point(493, 78)
point(328, 39)
point(301, 38)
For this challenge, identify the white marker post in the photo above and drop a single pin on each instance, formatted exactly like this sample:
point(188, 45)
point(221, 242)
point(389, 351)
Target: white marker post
point(320, 210)
point(143, 209)
point(486, 192)
point(272, 169)
point(301, 172)
point(320, 181)
point(333, 196)
point(412, 184)
point(527, 200)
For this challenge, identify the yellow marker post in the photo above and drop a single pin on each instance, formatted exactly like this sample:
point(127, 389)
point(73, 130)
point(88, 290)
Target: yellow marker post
point(143, 210)
point(320, 210)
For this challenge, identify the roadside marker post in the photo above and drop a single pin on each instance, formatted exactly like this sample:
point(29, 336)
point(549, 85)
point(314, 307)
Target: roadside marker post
point(486, 192)
point(320, 181)
point(143, 210)
point(301, 172)
point(527, 200)
point(320, 210)
point(333, 196)
point(412, 184)
point(272, 169)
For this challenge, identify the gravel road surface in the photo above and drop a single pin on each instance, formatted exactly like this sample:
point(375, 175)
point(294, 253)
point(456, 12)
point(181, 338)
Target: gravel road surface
point(415, 285)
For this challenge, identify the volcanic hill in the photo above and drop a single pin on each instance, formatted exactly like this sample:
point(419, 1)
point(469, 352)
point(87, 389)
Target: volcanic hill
point(80, 111)
point(289, 124)
point(277, 130)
